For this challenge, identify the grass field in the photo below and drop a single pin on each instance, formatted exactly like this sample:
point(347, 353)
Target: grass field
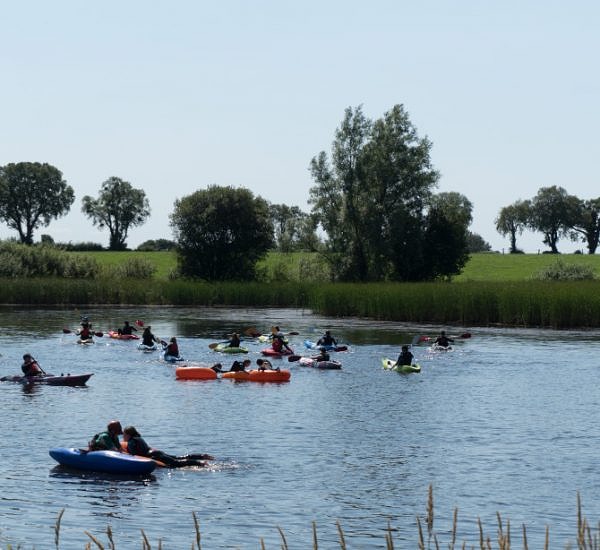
point(303, 267)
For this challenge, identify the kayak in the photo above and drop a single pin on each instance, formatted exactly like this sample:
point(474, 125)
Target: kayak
point(328, 347)
point(437, 347)
point(172, 358)
point(50, 379)
point(259, 375)
point(144, 347)
point(86, 341)
point(226, 348)
point(114, 334)
point(327, 365)
point(270, 352)
point(388, 364)
point(195, 373)
point(111, 462)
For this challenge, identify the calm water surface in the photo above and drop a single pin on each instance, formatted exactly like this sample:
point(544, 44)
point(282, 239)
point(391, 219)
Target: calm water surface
point(507, 422)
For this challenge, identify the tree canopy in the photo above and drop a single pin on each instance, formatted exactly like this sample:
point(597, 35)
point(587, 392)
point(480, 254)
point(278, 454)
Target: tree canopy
point(31, 195)
point(512, 220)
point(119, 207)
point(221, 233)
point(586, 222)
point(375, 202)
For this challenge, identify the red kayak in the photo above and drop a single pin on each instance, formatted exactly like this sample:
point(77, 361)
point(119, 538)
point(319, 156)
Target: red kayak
point(270, 352)
point(114, 334)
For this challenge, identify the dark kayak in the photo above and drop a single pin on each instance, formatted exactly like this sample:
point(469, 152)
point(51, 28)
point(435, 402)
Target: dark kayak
point(50, 379)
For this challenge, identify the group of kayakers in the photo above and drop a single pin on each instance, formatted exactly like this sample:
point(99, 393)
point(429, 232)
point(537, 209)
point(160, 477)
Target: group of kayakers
point(134, 444)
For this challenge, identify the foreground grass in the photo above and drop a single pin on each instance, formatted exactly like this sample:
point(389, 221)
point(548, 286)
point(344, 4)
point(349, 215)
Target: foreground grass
point(425, 534)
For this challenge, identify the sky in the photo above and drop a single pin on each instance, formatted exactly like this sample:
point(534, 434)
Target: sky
point(176, 96)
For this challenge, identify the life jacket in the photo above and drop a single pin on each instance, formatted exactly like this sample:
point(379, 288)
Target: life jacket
point(277, 344)
point(97, 443)
point(137, 446)
point(173, 349)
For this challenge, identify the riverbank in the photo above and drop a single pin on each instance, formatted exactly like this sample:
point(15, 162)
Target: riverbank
point(559, 305)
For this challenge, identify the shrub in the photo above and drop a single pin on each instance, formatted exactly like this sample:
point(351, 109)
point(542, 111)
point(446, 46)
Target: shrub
point(19, 260)
point(561, 271)
point(133, 268)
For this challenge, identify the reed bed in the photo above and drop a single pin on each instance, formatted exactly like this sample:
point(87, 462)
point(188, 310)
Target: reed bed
point(504, 537)
point(572, 304)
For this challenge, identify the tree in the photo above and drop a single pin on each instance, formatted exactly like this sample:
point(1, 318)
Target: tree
point(293, 229)
point(512, 220)
point(119, 206)
point(552, 213)
point(586, 221)
point(476, 243)
point(446, 234)
point(221, 233)
point(32, 194)
point(372, 199)
point(157, 245)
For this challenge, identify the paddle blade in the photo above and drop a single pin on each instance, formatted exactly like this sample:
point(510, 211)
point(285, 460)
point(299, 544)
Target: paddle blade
point(465, 335)
point(213, 345)
point(252, 332)
point(67, 330)
point(99, 334)
point(293, 333)
point(341, 348)
point(293, 358)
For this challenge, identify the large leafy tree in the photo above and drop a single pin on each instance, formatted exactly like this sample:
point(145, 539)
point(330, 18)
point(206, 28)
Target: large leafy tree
point(373, 198)
point(447, 234)
point(512, 221)
point(586, 222)
point(293, 228)
point(31, 195)
point(118, 207)
point(221, 233)
point(552, 213)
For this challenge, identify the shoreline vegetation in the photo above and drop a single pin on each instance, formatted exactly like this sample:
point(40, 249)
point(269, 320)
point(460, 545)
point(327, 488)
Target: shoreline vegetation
point(547, 304)
point(517, 290)
point(586, 537)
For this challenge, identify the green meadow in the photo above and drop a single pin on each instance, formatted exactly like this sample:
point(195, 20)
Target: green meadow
point(299, 266)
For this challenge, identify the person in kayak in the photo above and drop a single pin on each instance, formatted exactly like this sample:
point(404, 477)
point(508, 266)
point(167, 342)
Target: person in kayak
point(136, 445)
point(279, 342)
point(148, 339)
point(234, 341)
point(107, 440)
point(405, 357)
point(85, 332)
point(240, 367)
point(263, 364)
point(323, 355)
point(30, 366)
point(327, 339)
point(127, 329)
point(171, 348)
point(442, 340)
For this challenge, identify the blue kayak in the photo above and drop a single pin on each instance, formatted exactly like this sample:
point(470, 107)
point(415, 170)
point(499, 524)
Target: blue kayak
point(172, 358)
point(328, 347)
point(111, 462)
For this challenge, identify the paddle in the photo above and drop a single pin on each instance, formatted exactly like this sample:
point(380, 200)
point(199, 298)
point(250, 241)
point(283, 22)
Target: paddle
point(253, 332)
point(98, 333)
point(215, 344)
point(294, 358)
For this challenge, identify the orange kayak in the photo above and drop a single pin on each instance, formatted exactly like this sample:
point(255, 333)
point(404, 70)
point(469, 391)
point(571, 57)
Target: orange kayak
point(195, 373)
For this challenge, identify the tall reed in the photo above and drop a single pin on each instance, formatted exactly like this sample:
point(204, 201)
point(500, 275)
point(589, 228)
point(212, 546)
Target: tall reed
point(586, 537)
point(528, 303)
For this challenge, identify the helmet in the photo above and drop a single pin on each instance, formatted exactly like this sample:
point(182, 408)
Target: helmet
point(114, 426)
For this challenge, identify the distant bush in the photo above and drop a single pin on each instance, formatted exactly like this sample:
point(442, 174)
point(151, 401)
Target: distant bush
point(157, 245)
point(80, 247)
point(561, 271)
point(133, 268)
point(19, 260)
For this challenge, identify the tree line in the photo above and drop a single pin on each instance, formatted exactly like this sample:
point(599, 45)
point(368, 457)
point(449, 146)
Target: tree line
point(556, 215)
point(374, 213)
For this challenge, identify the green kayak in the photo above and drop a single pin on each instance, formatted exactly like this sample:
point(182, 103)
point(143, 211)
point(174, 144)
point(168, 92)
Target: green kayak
point(389, 364)
point(226, 348)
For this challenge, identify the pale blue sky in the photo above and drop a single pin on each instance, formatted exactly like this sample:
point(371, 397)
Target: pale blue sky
point(176, 96)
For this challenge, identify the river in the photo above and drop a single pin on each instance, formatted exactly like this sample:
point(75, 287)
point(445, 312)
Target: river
point(506, 422)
